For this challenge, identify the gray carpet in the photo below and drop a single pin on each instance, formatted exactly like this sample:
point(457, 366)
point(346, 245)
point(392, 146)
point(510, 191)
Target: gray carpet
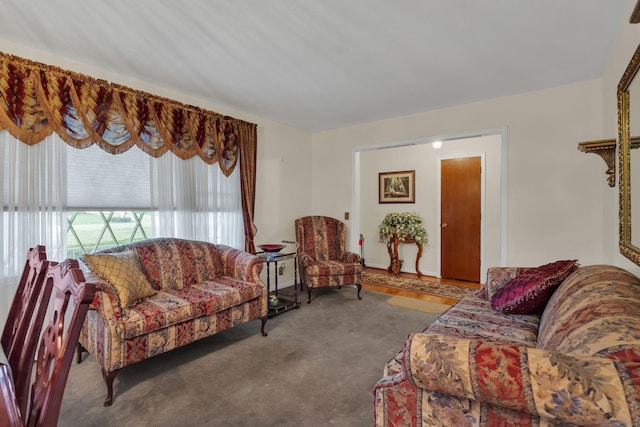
point(317, 367)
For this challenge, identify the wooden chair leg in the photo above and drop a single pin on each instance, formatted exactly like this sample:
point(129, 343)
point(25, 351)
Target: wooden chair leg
point(108, 379)
point(309, 292)
point(359, 289)
point(264, 322)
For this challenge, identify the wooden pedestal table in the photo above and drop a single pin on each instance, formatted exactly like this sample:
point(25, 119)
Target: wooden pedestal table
point(394, 260)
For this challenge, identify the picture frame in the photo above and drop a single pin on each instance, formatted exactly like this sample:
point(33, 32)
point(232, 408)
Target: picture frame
point(397, 187)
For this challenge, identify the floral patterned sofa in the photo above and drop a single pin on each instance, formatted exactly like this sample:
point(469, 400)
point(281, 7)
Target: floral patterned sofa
point(577, 362)
point(190, 290)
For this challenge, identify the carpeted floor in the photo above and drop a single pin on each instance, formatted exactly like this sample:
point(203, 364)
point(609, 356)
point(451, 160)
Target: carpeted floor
point(317, 367)
point(447, 292)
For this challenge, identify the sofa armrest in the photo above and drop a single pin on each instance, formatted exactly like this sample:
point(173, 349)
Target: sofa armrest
point(349, 257)
point(304, 259)
point(108, 313)
point(239, 264)
point(105, 292)
point(583, 391)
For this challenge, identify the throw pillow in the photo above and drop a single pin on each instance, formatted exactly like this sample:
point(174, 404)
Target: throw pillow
point(122, 271)
point(532, 289)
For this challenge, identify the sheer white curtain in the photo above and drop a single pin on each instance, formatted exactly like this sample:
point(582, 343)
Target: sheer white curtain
point(195, 200)
point(33, 194)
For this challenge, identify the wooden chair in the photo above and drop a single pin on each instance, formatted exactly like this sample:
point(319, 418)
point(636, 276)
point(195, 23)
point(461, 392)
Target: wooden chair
point(56, 348)
point(24, 322)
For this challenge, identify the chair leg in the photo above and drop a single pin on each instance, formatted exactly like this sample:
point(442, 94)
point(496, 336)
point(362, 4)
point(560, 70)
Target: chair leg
point(264, 322)
point(309, 293)
point(359, 289)
point(108, 379)
point(79, 350)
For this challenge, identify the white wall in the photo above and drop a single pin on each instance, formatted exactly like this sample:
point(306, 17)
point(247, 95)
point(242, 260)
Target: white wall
point(554, 191)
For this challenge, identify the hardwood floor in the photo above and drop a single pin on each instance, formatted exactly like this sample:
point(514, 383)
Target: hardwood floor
point(411, 294)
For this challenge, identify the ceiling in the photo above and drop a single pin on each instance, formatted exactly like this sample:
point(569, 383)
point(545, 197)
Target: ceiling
point(323, 64)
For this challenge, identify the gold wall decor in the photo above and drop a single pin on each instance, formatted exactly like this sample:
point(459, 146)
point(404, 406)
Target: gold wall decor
point(629, 159)
point(605, 148)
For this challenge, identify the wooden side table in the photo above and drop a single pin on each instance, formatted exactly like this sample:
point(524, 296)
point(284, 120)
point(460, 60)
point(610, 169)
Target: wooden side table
point(394, 260)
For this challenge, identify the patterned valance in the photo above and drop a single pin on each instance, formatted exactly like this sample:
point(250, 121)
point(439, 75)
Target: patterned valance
point(37, 99)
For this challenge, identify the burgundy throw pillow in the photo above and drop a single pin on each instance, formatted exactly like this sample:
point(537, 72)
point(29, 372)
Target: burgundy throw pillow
point(532, 289)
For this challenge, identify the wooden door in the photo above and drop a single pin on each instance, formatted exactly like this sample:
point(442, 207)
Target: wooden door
point(460, 207)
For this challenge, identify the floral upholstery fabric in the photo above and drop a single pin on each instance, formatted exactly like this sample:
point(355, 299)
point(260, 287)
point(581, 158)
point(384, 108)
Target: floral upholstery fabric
point(176, 264)
point(472, 317)
point(603, 318)
point(583, 368)
point(202, 288)
point(322, 258)
point(176, 306)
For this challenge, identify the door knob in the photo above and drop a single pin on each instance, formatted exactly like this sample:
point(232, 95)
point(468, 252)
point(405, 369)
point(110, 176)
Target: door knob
point(443, 225)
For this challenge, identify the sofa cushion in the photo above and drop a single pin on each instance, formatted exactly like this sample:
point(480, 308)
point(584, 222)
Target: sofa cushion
point(531, 290)
point(175, 306)
point(472, 317)
point(122, 271)
point(333, 268)
point(176, 263)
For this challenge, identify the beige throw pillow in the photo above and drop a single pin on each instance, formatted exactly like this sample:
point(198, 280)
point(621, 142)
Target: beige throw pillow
point(122, 271)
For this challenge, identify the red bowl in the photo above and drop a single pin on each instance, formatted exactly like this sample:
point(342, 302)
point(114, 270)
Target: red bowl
point(272, 247)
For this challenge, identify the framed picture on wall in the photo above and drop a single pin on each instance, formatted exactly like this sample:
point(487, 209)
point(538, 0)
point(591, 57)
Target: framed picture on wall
point(397, 187)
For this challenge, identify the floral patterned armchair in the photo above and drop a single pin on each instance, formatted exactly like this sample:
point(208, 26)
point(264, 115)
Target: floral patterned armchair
point(322, 258)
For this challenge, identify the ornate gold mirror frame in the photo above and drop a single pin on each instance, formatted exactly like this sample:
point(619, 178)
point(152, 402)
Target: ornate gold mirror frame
point(629, 124)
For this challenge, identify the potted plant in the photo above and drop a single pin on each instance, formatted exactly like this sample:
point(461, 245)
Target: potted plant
point(407, 226)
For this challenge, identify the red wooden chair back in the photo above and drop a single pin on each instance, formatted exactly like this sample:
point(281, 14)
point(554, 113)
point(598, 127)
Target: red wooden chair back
point(24, 322)
point(57, 347)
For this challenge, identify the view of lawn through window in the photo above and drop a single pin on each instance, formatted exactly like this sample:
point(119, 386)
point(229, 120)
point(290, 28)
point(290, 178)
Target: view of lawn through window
point(90, 231)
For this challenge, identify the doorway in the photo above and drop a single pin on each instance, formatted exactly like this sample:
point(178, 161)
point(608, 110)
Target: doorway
point(422, 155)
point(460, 218)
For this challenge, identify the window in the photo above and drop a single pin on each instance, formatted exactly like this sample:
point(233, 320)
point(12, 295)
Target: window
point(90, 231)
point(109, 199)
point(81, 200)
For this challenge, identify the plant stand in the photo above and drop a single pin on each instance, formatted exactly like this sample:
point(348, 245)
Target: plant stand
point(394, 260)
